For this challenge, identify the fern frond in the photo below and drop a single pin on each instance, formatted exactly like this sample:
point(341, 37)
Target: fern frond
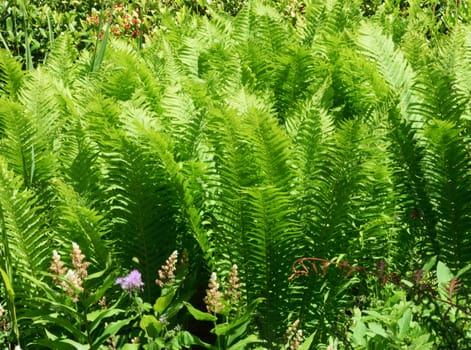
point(294, 78)
point(392, 66)
point(143, 210)
point(443, 84)
point(61, 60)
point(25, 241)
point(271, 148)
point(314, 17)
point(271, 237)
point(358, 88)
point(161, 147)
point(221, 70)
point(448, 174)
point(184, 120)
point(23, 147)
point(312, 130)
point(251, 211)
point(266, 37)
point(338, 180)
point(11, 75)
point(75, 220)
point(235, 171)
point(407, 154)
point(118, 79)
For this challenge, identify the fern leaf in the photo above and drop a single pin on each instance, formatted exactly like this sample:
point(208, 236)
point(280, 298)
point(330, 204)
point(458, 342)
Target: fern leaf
point(25, 242)
point(22, 147)
point(61, 60)
point(75, 220)
point(271, 237)
point(160, 146)
point(392, 66)
point(449, 184)
point(443, 84)
point(11, 75)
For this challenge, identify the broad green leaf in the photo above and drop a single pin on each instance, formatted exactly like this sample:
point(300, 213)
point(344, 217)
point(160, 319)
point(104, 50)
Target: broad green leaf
point(112, 329)
point(359, 333)
point(404, 323)
point(242, 344)
point(9, 288)
point(200, 315)
point(237, 327)
point(378, 329)
point(187, 339)
point(151, 326)
point(61, 321)
point(430, 263)
point(75, 344)
point(163, 301)
point(444, 274)
point(306, 345)
point(96, 317)
point(130, 346)
point(53, 342)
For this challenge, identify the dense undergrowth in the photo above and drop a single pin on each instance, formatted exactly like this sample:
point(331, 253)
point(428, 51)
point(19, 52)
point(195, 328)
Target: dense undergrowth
point(310, 161)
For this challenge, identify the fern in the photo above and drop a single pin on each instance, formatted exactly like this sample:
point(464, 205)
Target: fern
point(250, 212)
point(11, 75)
point(25, 241)
point(23, 148)
point(294, 78)
point(271, 237)
point(61, 60)
point(442, 84)
point(359, 89)
point(448, 182)
point(160, 146)
point(392, 66)
point(247, 141)
point(75, 220)
point(234, 173)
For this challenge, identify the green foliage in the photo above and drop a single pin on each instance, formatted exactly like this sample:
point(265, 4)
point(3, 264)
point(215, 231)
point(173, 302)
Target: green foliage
point(252, 139)
point(391, 325)
point(430, 315)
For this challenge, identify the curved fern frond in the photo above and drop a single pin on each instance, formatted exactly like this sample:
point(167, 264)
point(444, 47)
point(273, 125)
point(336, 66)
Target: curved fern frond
point(271, 237)
point(270, 146)
point(392, 66)
point(75, 220)
point(407, 153)
point(359, 89)
point(11, 75)
point(61, 60)
point(448, 174)
point(160, 146)
point(23, 147)
point(235, 171)
point(443, 84)
point(296, 75)
point(25, 241)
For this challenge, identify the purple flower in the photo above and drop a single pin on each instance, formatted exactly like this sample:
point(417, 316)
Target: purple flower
point(131, 282)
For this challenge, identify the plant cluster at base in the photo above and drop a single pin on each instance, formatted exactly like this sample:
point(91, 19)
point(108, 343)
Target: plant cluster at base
point(436, 300)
